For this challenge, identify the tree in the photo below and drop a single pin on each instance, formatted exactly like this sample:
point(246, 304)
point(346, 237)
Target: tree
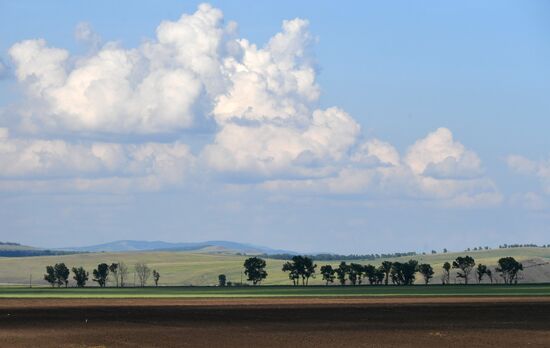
point(481, 271)
point(490, 275)
point(370, 273)
point(100, 274)
point(509, 269)
point(308, 269)
point(222, 280)
point(50, 275)
point(380, 276)
point(143, 272)
point(465, 264)
point(341, 272)
point(328, 273)
point(254, 268)
point(293, 272)
point(62, 274)
point(355, 273)
point(409, 271)
point(122, 273)
point(156, 277)
point(300, 266)
point(80, 276)
point(427, 272)
point(386, 267)
point(404, 273)
point(446, 278)
point(113, 269)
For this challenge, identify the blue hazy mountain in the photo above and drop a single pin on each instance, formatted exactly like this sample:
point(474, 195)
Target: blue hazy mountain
point(214, 245)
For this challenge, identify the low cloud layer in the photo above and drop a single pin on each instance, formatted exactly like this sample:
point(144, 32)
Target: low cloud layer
point(270, 133)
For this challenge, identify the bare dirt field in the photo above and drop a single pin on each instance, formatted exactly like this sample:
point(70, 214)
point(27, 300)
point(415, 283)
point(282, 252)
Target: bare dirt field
point(280, 322)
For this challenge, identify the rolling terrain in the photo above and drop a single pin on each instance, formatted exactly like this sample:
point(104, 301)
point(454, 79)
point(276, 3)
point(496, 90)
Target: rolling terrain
point(203, 268)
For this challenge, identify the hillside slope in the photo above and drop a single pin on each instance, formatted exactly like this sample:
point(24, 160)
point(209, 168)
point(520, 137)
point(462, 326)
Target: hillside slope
point(190, 268)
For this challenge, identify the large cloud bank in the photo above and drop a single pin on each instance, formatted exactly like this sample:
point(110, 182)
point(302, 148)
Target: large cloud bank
point(269, 131)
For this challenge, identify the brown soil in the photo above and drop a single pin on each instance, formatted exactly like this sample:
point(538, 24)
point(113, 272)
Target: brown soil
point(288, 322)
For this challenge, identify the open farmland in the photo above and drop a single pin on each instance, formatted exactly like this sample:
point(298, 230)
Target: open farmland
point(188, 268)
point(269, 322)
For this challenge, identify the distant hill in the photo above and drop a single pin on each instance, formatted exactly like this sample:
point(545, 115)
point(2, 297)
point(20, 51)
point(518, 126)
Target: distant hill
point(214, 246)
point(9, 249)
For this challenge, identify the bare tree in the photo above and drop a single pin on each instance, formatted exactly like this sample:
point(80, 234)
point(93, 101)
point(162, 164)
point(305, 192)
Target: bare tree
point(143, 272)
point(122, 273)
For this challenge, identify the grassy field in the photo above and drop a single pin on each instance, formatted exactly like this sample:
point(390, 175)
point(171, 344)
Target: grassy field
point(187, 268)
point(277, 291)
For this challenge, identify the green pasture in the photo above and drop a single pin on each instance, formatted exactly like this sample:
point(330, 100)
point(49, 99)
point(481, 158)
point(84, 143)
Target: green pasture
point(278, 291)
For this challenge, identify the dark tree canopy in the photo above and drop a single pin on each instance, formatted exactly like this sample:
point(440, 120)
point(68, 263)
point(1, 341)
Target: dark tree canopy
point(341, 272)
point(480, 272)
point(300, 267)
point(404, 273)
point(509, 269)
point(427, 272)
point(386, 268)
point(254, 268)
point(355, 273)
point(370, 273)
point(80, 276)
point(50, 275)
point(62, 274)
point(328, 273)
point(465, 264)
point(222, 279)
point(57, 275)
point(101, 274)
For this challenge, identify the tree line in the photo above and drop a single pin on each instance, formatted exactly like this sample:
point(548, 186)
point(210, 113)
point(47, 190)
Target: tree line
point(301, 268)
point(59, 274)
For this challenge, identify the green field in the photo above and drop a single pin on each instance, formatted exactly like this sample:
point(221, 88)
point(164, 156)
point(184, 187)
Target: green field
point(199, 269)
point(278, 291)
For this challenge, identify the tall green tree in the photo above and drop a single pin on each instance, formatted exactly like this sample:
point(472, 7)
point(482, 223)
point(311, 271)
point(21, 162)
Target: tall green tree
point(355, 273)
point(480, 272)
point(370, 273)
point(62, 274)
point(292, 272)
point(386, 267)
point(380, 275)
point(404, 273)
point(100, 274)
point(50, 276)
point(328, 273)
point(427, 272)
point(465, 265)
point(254, 268)
point(509, 269)
point(300, 267)
point(446, 278)
point(341, 272)
point(80, 276)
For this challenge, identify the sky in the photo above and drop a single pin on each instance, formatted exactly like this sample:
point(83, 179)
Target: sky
point(349, 127)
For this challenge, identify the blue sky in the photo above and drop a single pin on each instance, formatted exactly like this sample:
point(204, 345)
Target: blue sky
point(439, 138)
